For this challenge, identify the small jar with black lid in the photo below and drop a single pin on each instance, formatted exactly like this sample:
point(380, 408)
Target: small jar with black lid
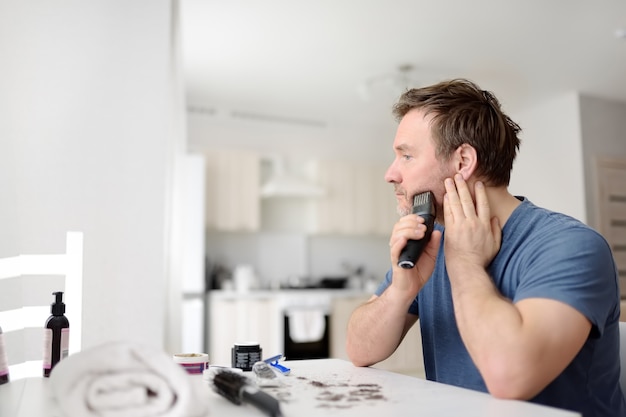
point(246, 354)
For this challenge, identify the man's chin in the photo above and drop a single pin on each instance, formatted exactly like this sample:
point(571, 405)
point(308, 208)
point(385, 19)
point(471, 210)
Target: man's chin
point(403, 211)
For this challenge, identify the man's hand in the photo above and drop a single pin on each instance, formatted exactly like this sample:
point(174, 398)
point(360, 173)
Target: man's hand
point(473, 237)
point(411, 281)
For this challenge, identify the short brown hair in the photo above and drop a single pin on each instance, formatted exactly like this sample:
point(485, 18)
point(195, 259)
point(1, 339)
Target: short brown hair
point(465, 114)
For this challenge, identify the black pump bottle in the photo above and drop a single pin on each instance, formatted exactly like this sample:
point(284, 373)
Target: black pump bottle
point(56, 336)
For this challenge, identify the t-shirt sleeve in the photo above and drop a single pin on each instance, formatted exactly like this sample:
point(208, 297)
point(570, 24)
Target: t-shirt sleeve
point(576, 268)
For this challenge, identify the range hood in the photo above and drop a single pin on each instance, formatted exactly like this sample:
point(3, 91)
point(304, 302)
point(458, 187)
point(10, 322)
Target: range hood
point(282, 183)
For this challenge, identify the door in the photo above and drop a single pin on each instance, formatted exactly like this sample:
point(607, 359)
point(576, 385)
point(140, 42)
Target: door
point(612, 211)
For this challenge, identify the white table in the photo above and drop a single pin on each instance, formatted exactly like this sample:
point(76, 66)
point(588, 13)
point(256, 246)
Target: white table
point(328, 387)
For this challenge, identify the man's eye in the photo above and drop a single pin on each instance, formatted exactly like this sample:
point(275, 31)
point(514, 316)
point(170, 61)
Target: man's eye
point(407, 157)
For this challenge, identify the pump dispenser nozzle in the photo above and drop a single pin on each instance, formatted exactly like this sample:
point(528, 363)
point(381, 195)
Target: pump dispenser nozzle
point(58, 307)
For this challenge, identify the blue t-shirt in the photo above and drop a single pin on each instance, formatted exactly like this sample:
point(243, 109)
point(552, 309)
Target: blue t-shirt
point(543, 255)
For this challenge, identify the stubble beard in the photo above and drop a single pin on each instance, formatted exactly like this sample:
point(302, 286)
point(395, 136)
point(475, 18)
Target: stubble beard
point(403, 211)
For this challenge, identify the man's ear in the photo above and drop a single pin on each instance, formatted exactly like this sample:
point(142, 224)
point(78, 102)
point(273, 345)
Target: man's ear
point(465, 160)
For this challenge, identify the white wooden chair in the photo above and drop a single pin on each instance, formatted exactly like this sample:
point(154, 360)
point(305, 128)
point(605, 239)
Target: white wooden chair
point(26, 286)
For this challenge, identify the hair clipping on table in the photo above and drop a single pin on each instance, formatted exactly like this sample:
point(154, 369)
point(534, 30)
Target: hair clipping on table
point(274, 362)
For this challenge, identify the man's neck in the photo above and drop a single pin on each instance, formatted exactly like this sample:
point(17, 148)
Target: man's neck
point(501, 203)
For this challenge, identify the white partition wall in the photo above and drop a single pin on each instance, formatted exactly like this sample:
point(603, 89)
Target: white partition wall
point(90, 127)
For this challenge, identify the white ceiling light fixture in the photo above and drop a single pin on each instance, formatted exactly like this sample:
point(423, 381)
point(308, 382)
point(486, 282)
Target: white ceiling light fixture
point(392, 84)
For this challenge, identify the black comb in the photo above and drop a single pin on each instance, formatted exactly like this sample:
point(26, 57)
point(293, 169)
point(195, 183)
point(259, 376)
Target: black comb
point(238, 388)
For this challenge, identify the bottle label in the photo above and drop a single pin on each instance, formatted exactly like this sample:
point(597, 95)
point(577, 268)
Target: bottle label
point(65, 342)
point(47, 349)
point(4, 364)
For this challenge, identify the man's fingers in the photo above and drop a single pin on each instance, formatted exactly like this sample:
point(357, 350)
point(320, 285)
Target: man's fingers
point(465, 196)
point(452, 205)
point(482, 204)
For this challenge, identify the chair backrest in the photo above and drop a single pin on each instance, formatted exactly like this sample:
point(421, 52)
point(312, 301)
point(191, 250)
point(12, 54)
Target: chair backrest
point(622, 355)
point(26, 286)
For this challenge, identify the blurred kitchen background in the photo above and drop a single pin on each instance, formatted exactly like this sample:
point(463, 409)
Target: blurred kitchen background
point(288, 107)
point(225, 160)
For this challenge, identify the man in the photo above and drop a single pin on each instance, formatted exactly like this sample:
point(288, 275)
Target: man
point(513, 299)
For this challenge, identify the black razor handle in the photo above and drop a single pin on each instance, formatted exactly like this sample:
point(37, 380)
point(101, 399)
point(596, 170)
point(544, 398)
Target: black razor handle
point(424, 206)
point(261, 400)
point(238, 389)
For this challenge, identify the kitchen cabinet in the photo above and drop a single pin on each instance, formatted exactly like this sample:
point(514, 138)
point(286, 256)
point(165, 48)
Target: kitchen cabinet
point(354, 200)
point(258, 316)
point(357, 201)
point(232, 190)
point(242, 319)
point(407, 359)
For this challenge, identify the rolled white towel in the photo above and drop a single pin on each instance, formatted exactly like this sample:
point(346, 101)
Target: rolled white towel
point(121, 379)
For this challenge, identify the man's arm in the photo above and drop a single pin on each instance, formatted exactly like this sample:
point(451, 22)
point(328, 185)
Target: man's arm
point(376, 328)
point(518, 348)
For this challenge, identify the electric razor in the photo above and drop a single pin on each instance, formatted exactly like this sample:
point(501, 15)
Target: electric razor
point(424, 206)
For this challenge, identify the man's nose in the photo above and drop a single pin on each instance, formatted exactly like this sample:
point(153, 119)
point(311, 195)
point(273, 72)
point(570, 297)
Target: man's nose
point(392, 174)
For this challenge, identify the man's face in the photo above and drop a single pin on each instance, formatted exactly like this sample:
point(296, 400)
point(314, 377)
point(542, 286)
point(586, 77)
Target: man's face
point(415, 168)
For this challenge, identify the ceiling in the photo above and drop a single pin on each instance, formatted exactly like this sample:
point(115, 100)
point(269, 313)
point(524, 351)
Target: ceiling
point(335, 62)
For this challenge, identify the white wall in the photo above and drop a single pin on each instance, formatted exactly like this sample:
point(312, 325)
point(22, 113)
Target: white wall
point(549, 168)
point(329, 141)
point(9, 243)
point(87, 142)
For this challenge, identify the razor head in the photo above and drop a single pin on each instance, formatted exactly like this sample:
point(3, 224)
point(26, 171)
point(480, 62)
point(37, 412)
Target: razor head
point(424, 206)
point(424, 203)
